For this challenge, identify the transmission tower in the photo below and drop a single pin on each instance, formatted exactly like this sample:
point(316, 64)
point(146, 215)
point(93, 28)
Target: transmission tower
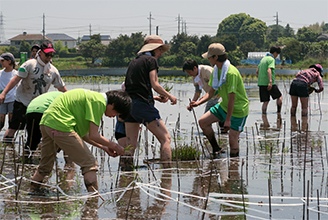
point(277, 24)
point(2, 30)
point(150, 18)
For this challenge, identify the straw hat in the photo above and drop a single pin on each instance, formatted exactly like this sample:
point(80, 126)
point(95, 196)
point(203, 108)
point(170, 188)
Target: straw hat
point(214, 49)
point(153, 42)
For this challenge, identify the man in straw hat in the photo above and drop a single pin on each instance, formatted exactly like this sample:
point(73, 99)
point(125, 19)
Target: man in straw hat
point(233, 109)
point(141, 78)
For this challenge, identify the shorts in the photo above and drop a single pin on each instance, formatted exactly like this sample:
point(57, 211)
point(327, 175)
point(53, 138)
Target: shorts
point(18, 119)
point(265, 94)
point(6, 108)
point(142, 112)
point(119, 129)
point(299, 88)
point(71, 143)
point(210, 103)
point(237, 124)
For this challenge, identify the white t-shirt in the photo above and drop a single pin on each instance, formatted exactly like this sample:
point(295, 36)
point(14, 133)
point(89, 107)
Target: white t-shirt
point(35, 82)
point(5, 78)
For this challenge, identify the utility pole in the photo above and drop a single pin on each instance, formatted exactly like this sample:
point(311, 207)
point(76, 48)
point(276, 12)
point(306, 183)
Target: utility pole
point(90, 30)
point(44, 28)
point(2, 30)
point(156, 30)
point(150, 18)
point(277, 23)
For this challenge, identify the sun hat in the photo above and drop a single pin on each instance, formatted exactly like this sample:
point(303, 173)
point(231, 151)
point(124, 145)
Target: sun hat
point(47, 47)
point(319, 68)
point(214, 49)
point(35, 46)
point(7, 56)
point(153, 42)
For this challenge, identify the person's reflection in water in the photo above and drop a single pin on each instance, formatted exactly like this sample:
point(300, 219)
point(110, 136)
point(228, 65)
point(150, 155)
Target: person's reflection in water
point(265, 125)
point(135, 210)
point(294, 123)
point(158, 209)
point(279, 121)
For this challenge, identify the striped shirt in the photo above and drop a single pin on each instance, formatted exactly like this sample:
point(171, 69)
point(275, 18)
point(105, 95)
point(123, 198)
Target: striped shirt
point(310, 76)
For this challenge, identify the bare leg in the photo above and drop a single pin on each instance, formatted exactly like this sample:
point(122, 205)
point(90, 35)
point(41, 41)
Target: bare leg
point(38, 178)
point(90, 181)
point(304, 104)
point(132, 132)
point(279, 104)
point(205, 122)
point(294, 105)
point(158, 128)
point(9, 135)
point(264, 107)
point(234, 142)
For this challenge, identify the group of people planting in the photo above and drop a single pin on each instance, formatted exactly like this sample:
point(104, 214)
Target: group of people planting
point(65, 120)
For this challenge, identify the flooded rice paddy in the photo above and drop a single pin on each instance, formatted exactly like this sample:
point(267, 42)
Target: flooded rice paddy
point(281, 172)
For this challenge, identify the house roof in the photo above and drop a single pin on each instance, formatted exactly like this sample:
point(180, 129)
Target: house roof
point(62, 37)
point(30, 37)
point(322, 37)
point(103, 37)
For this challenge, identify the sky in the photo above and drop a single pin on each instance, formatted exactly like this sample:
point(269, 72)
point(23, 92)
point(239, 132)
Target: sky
point(110, 17)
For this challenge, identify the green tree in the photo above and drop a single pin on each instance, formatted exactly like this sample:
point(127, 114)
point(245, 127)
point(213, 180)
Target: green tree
point(92, 49)
point(293, 50)
point(288, 32)
point(274, 32)
point(203, 44)
point(123, 49)
point(179, 39)
point(58, 46)
point(63, 51)
point(230, 42)
point(306, 34)
point(248, 46)
point(244, 27)
point(24, 46)
point(253, 30)
point(13, 50)
point(232, 25)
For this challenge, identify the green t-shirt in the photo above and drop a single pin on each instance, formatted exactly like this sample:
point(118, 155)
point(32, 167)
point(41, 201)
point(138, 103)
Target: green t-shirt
point(42, 102)
point(266, 63)
point(234, 84)
point(74, 110)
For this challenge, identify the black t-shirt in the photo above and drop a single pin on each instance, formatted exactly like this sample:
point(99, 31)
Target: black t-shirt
point(137, 81)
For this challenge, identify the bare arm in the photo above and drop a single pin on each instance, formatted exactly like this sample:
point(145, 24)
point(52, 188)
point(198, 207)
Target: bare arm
point(270, 79)
point(195, 98)
point(158, 88)
point(100, 141)
point(13, 82)
point(203, 99)
point(62, 89)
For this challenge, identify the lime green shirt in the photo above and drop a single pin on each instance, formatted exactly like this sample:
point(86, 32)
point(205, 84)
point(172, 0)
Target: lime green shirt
point(74, 110)
point(42, 102)
point(234, 84)
point(266, 63)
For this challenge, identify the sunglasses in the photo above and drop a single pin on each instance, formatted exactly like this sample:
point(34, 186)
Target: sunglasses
point(49, 54)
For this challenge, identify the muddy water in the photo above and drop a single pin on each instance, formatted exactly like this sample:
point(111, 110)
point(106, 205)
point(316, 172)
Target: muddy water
point(273, 150)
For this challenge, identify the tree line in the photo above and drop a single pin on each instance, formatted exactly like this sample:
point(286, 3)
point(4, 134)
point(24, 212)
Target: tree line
point(239, 33)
